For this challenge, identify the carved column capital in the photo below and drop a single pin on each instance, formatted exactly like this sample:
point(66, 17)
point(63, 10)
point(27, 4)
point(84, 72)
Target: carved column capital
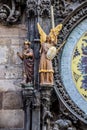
point(63, 124)
point(31, 8)
point(45, 101)
point(10, 11)
point(27, 95)
point(44, 8)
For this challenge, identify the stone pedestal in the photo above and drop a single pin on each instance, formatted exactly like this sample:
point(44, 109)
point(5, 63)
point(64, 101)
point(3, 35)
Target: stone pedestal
point(36, 111)
point(27, 94)
point(31, 107)
point(45, 111)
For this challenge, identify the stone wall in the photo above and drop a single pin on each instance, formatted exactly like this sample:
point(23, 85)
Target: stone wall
point(11, 41)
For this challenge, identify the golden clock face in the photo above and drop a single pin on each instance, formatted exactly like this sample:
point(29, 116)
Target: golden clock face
point(79, 65)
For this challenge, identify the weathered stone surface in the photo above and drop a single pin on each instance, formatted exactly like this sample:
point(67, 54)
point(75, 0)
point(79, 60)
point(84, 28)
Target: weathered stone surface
point(2, 71)
point(18, 41)
point(13, 72)
point(12, 100)
point(15, 41)
point(15, 31)
point(10, 85)
point(11, 41)
point(10, 72)
point(9, 32)
point(11, 119)
point(12, 129)
point(4, 51)
point(5, 41)
point(13, 56)
point(22, 31)
point(1, 94)
point(22, 34)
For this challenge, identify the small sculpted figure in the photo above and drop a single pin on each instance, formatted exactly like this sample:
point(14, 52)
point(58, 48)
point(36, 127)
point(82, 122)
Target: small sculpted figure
point(48, 52)
point(28, 63)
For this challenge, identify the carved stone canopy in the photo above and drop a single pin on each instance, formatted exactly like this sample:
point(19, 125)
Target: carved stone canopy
point(10, 11)
point(40, 8)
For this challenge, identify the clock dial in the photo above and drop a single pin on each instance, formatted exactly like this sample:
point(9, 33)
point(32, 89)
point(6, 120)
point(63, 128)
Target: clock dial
point(73, 66)
point(79, 65)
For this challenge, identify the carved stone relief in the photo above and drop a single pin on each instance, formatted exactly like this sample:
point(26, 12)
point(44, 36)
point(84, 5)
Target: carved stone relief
point(10, 11)
point(77, 16)
point(63, 8)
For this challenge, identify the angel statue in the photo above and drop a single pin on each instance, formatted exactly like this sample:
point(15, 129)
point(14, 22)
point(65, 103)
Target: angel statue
point(28, 63)
point(48, 52)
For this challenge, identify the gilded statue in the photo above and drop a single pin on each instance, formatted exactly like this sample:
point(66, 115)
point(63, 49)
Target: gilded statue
point(48, 52)
point(28, 63)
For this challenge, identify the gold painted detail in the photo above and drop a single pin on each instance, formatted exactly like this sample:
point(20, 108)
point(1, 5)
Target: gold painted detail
point(54, 32)
point(42, 71)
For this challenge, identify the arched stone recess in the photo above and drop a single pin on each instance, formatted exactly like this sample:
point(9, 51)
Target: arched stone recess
point(73, 27)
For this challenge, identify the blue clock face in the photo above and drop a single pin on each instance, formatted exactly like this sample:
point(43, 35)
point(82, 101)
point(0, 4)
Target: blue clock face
point(74, 65)
point(79, 65)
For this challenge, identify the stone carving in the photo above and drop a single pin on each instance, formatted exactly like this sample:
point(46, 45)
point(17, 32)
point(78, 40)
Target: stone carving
point(28, 62)
point(27, 95)
point(36, 99)
point(9, 14)
point(45, 103)
point(63, 124)
point(44, 8)
point(47, 48)
point(63, 8)
point(41, 8)
point(31, 8)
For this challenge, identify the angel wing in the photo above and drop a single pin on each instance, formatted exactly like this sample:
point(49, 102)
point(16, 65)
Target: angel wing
point(42, 33)
point(55, 32)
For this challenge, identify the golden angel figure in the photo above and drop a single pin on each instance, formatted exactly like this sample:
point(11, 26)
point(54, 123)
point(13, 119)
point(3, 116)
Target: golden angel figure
point(48, 52)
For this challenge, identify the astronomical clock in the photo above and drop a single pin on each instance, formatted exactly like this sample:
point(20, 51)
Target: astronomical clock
point(71, 71)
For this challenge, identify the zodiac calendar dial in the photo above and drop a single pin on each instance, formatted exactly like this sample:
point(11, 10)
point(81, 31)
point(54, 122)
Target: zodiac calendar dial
point(79, 65)
point(73, 65)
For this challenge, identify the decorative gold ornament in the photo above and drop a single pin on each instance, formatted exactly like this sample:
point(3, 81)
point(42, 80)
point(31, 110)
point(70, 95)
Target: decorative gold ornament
point(26, 42)
point(53, 39)
point(53, 33)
